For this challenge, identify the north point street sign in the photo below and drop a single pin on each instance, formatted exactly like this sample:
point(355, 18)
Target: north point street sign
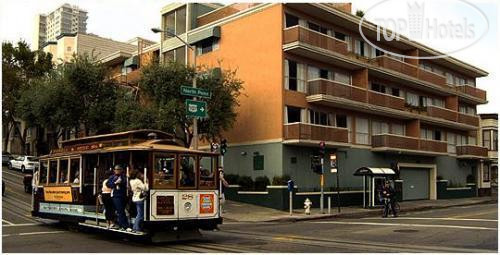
point(196, 108)
point(195, 92)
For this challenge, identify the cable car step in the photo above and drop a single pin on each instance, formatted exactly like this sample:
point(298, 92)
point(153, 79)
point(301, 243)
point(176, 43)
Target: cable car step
point(111, 229)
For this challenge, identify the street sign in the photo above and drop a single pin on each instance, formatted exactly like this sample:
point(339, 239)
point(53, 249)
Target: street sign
point(196, 108)
point(195, 92)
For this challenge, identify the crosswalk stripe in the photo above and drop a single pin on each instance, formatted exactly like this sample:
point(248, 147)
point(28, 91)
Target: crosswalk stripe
point(422, 218)
point(402, 225)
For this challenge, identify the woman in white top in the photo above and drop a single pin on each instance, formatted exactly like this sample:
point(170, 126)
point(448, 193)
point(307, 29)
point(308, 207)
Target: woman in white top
point(138, 188)
point(109, 209)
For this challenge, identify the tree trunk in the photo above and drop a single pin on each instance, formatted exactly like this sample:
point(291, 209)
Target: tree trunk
point(7, 136)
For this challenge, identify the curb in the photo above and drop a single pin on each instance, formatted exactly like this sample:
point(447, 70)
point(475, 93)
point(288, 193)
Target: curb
point(369, 213)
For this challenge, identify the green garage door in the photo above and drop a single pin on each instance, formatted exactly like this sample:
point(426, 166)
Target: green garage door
point(415, 183)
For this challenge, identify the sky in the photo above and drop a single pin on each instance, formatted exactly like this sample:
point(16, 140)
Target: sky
point(125, 19)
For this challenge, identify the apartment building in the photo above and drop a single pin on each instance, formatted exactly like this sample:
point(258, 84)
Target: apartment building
point(66, 19)
point(310, 77)
point(489, 138)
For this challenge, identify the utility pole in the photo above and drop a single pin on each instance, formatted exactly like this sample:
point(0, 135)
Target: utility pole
point(322, 146)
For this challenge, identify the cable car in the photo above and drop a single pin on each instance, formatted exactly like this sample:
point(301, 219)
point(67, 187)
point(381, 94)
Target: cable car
point(183, 183)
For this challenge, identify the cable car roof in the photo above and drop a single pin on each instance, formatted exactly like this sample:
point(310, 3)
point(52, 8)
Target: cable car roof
point(373, 171)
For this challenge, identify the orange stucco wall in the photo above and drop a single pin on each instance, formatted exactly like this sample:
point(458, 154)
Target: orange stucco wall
point(253, 46)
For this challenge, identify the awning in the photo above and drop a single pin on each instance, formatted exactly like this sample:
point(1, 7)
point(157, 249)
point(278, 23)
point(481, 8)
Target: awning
point(132, 61)
point(204, 34)
point(373, 171)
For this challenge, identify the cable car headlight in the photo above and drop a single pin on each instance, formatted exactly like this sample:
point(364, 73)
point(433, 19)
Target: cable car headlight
point(187, 206)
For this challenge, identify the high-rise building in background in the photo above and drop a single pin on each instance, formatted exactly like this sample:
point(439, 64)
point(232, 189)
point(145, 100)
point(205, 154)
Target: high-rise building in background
point(66, 19)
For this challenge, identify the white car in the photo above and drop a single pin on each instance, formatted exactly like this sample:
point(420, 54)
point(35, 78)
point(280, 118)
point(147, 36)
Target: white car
point(23, 163)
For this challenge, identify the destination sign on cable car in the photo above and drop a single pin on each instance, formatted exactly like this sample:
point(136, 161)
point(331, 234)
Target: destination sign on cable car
point(83, 147)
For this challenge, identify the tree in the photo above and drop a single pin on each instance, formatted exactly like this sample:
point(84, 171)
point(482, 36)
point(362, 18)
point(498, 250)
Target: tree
point(20, 66)
point(360, 13)
point(76, 93)
point(160, 104)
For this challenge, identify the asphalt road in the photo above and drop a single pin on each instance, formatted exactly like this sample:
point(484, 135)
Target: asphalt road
point(457, 229)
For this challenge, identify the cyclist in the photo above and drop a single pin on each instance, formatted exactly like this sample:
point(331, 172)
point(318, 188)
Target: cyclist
point(389, 194)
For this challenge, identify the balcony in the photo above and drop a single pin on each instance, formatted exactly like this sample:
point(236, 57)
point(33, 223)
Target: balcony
point(472, 91)
point(431, 77)
point(468, 119)
point(409, 145)
point(443, 113)
point(386, 100)
point(471, 151)
point(313, 38)
point(311, 132)
point(336, 89)
point(396, 65)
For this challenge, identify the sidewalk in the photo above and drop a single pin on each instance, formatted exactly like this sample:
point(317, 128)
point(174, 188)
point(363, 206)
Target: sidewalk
point(241, 212)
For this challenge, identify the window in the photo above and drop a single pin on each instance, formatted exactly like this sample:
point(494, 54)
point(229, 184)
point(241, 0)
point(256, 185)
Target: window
point(422, 101)
point(341, 120)
point(438, 102)
point(395, 92)
point(486, 172)
point(74, 170)
point(494, 146)
point(362, 134)
point(293, 114)
point(472, 140)
point(313, 26)
point(312, 73)
point(361, 48)
point(169, 24)
point(411, 99)
point(378, 87)
point(379, 128)
point(208, 171)
point(437, 135)
point(291, 75)
point(187, 175)
point(291, 20)
point(52, 171)
point(398, 129)
point(43, 172)
point(340, 36)
point(323, 74)
point(378, 52)
point(342, 77)
point(207, 45)
point(180, 55)
point(164, 171)
point(426, 134)
point(63, 171)
point(487, 139)
point(319, 118)
point(180, 21)
point(451, 140)
point(258, 162)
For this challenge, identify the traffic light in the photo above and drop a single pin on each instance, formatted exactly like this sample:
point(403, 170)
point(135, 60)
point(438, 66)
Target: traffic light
point(223, 147)
point(316, 165)
point(322, 149)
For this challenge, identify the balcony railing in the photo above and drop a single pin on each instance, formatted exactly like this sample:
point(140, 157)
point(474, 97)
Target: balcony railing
point(385, 100)
point(472, 91)
point(472, 150)
point(431, 77)
point(468, 119)
point(439, 112)
point(305, 131)
point(314, 38)
point(408, 143)
point(396, 65)
point(336, 89)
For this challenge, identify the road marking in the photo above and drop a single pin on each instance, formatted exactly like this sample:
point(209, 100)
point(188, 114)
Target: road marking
point(402, 225)
point(34, 233)
point(24, 224)
point(417, 218)
point(16, 175)
point(8, 222)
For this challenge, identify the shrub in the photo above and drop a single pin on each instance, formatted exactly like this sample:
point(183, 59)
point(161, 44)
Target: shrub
point(245, 182)
point(281, 180)
point(261, 183)
point(231, 178)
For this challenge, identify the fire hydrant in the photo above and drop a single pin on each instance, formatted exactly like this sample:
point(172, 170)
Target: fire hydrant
point(307, 206)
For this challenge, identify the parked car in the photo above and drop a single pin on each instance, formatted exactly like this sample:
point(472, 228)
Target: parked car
point(23, 163)
point(6, 157)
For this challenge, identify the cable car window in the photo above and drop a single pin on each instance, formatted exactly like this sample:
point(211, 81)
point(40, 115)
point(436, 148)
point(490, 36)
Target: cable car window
point(43, 172)
point(52, 171)
point(207, 169)
point(164, 171)
point(74, 172)
point(63, 171)
point(187, 176)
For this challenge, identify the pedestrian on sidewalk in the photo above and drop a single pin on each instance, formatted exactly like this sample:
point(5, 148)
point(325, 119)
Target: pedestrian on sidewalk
point(389, 196)
point(139, 189)
point(107, 201)
point(223, 184)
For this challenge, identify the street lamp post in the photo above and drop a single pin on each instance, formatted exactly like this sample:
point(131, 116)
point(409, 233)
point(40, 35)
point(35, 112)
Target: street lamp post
point(195, 121)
